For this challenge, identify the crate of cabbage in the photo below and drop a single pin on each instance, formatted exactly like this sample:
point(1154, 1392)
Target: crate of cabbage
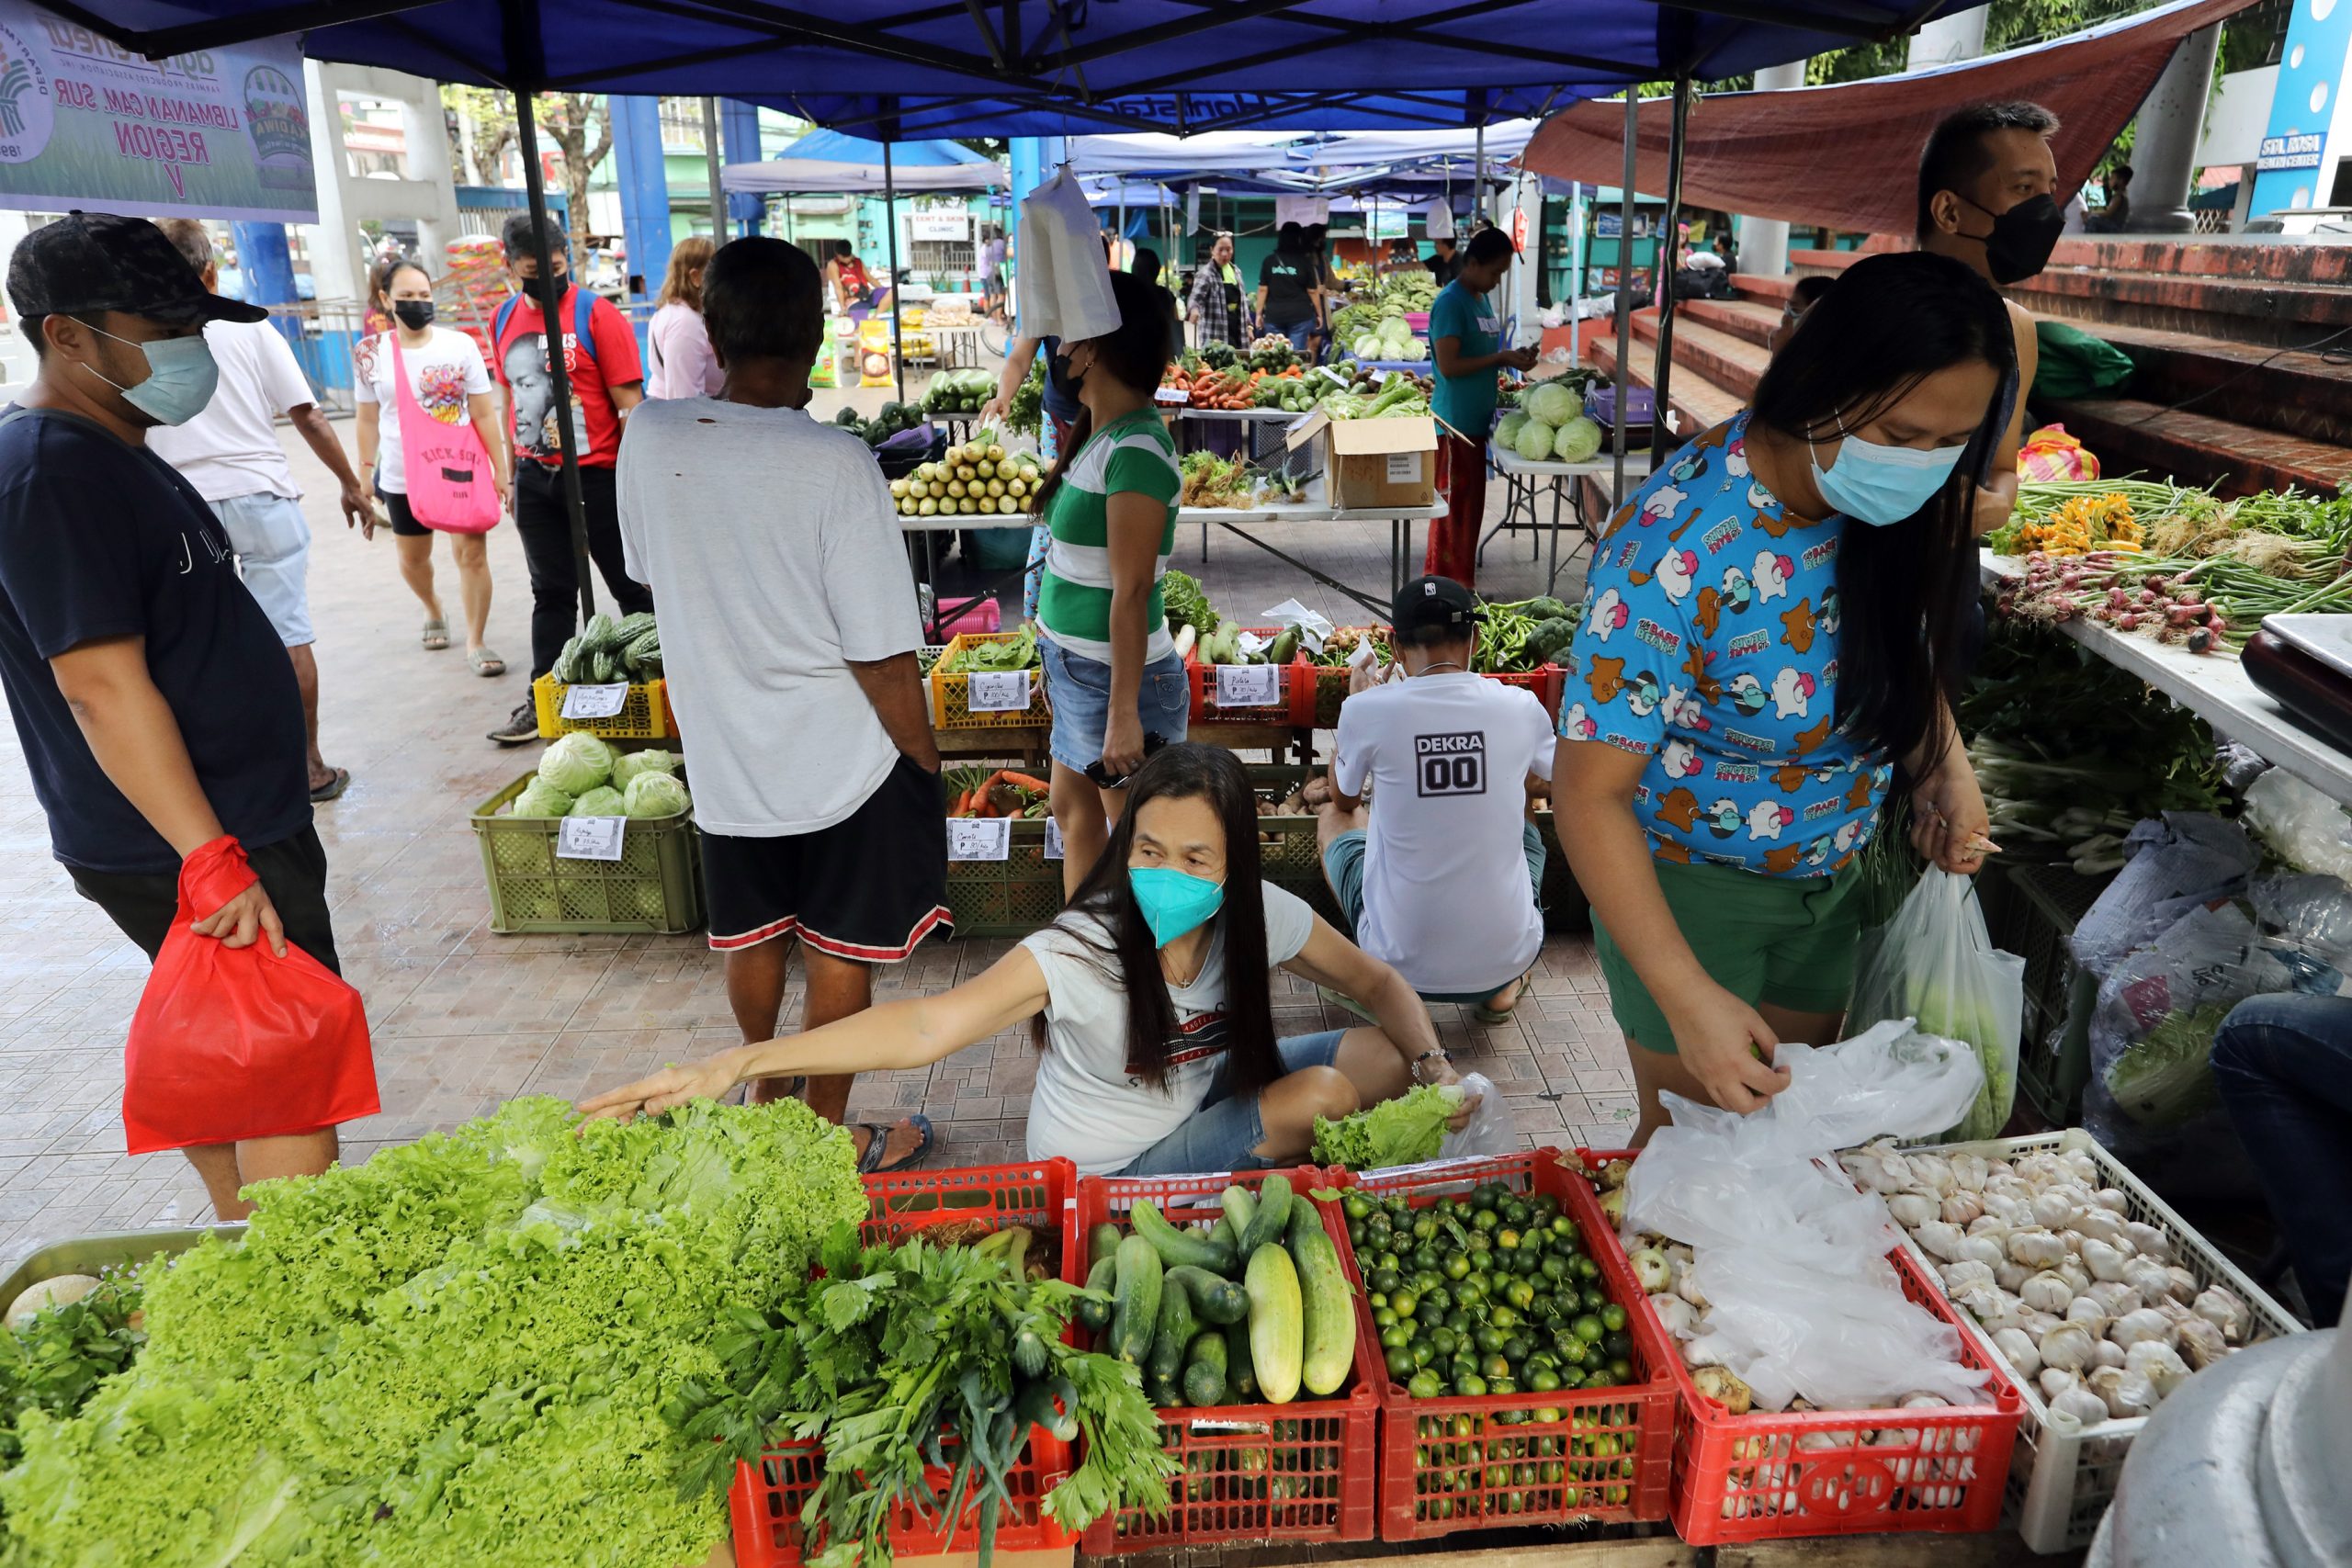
point(1233, 1293)
point(979, 478)
point(655, 886)
point(1549, 426)
point(1522, 1386)
point(607, 652)
point(988, 653)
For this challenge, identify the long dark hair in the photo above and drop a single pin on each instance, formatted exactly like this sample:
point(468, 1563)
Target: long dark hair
point(1904, 589)
point(1134, 354)
point(1124, 951)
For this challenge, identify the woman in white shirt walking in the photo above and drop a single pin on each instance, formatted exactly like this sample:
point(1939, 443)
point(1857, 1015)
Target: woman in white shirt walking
point(678, 361)
point(447, 381)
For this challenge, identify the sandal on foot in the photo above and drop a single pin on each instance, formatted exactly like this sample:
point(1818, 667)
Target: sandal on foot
point(481, 661)
point(1486, 1013)
point(341, 780)
point(877, 1138)
point(436, 633)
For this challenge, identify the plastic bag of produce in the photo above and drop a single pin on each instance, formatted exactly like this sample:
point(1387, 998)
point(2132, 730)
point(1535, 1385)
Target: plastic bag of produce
point(1934, 963)
point(2187, 860)
point(238, 1043)
point(2152, 1034)
point(2310, 832)
point(1489, 1131)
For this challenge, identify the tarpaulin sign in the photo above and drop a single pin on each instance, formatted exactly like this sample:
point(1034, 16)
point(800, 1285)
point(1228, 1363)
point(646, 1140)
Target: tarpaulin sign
point(212, 134)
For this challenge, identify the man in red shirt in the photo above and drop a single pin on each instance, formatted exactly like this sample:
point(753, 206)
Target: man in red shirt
point(600, 355)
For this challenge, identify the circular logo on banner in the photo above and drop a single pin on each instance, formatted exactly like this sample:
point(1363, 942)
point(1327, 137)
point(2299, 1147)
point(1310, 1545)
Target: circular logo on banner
point(26, 114)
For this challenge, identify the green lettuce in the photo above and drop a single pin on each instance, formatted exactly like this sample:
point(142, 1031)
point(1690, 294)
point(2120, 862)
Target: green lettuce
point(576, 762)
point(1403, 1131)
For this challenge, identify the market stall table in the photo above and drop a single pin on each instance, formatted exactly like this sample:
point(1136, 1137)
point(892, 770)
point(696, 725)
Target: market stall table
point(2213, 686)
point(1524, 478)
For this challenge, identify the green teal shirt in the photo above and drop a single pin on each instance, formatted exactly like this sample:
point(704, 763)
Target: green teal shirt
point(1074, 602)
point(1465, 402)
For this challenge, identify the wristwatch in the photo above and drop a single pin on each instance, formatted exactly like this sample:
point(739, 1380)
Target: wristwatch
point(1434, 1052)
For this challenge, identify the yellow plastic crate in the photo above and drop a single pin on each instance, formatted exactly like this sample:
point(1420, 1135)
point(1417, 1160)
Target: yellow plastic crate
point(951, 694)
point(644, 716)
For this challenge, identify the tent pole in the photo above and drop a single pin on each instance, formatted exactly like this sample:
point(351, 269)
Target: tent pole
point(710, 154)
point(535, 185)
point(1576, 269)
point(1478, 173)
point(1624, 379)
point(890, 220)
point(1659, 445)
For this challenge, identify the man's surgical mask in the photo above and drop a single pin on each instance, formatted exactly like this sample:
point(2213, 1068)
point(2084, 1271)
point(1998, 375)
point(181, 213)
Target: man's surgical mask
point(181, 376)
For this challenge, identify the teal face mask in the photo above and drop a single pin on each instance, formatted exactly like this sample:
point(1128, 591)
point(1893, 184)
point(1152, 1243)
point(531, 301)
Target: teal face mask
point(181, 376)
point(1173, 902)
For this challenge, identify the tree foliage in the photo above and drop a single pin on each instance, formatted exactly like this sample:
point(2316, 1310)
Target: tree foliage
point(576, 123)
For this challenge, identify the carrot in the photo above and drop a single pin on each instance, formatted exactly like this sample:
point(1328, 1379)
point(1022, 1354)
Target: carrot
point(1024, 781)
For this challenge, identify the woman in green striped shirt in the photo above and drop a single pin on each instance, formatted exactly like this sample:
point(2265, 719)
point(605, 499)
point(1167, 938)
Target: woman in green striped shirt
point(1112, 672)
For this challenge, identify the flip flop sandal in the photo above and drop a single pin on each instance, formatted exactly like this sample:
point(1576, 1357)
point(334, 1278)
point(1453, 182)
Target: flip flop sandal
point(481, 661)
point(321, 793)
point(436, 634)
point(877, 1139)
point(1491, 1016)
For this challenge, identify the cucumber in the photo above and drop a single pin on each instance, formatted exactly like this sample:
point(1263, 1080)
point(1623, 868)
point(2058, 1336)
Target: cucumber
point(1135, 1299)
point(1173, 1335)
point(1275, 1330)
point(1204, 1380)
point(1163, 1392)
point(1238, 1203)
point(1102, 1242)
point(1240, 1372)
point(1214, 1299)
point(1225, 1235)
point(1328, 1336)
point(1092, 1315)
point(1178, 1247)
point(1273, 1214)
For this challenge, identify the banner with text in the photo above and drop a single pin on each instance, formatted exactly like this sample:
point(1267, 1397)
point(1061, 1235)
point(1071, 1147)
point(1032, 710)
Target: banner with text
point(212, 133)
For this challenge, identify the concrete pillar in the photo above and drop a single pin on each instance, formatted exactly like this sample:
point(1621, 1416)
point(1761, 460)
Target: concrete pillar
point(338, 264)
point(1764, 242)
point(644, 190)
point(427, 196)
point(2164, 152)
point(1946, 40)
point(426, 151)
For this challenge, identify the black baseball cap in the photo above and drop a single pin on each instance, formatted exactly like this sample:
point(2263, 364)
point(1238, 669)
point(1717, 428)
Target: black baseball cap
point(1434, 602)
point(89, 262)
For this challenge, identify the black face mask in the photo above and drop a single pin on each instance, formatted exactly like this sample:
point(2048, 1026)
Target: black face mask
point(2022, 238)
point(548, 291)
point(414, 314)
point(1058, 366)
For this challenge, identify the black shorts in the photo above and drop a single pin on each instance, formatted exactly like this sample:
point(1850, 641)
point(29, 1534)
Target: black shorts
point(869, 888)
point(404, 522)
point(293, 872)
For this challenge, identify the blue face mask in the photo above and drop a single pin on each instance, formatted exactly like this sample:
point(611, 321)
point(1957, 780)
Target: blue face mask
point(1173, 902)
point(181, 376)
point(1878, 484)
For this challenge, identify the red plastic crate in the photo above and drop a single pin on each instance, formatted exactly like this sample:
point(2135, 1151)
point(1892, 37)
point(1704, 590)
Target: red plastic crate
point(1486, 1461)
point(1767, 1477)
point(1546, 681)
point(1298, 1472)
point(766, 1499)
point(1296, 706)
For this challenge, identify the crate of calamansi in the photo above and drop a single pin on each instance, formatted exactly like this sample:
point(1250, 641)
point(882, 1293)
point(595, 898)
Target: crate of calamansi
point(981, 477)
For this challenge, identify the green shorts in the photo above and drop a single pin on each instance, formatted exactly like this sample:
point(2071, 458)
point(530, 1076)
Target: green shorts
point(1789, 940)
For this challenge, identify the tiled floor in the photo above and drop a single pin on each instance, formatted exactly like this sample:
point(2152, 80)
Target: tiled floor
point(464, 1019)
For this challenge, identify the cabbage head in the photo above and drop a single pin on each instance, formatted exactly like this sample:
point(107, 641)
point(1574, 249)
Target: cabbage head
point(1412, 351)
point(1535, 441)
point(541, 799)
point(632, 763)
point(576, 763)
point(654, 794)
point(601, 801)
point(1551, 402)
point(1368, 347)
point(1507, 430)
point(1576, 441)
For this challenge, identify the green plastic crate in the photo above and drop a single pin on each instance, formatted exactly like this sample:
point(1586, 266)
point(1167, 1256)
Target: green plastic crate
point(2031, 911)
point(656, 886)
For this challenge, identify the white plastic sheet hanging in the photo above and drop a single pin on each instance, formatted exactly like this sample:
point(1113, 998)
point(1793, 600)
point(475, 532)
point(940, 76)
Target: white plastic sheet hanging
point(1064, 283)
point(1437, 223)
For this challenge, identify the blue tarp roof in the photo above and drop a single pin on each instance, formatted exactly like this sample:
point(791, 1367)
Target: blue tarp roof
point(919, 68)
point(834, 147)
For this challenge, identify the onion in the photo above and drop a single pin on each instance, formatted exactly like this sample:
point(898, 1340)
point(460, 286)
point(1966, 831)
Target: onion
point(1678, 1318)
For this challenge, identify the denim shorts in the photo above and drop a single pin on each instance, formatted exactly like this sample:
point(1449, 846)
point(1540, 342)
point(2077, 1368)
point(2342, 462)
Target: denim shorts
point(1080, 690)
point(272, 545)
point(1224, 1131)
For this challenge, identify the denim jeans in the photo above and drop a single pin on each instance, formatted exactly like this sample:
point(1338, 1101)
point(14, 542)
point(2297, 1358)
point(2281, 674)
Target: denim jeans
point(2284, 1066)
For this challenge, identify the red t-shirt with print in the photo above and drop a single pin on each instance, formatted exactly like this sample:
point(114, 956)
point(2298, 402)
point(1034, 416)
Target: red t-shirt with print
point(521, 365)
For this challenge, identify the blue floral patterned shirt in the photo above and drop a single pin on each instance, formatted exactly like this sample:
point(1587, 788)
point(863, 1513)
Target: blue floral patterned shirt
point(1709, 644)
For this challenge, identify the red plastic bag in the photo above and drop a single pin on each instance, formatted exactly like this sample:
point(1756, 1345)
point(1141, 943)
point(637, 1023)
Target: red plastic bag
point(238, 1043)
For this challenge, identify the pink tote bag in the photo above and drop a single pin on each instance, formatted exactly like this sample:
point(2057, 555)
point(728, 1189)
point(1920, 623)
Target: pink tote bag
point(447, 469)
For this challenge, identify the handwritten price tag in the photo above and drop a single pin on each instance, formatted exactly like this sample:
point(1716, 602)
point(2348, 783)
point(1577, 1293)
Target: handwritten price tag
point(978, 838)
point(594, 701)
point(1053, 840)
point(589, 838)
point(1249, 685)
point(999, 691)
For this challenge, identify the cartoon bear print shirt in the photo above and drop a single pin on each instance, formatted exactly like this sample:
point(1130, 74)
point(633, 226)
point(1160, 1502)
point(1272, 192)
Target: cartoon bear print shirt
point(1709, 644)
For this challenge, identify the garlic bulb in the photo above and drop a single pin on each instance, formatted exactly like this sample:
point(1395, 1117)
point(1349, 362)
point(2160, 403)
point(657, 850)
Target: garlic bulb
point(2068, 1347)
point(2223, 1308)
point(2095, 1222)
point(2085, 1310)
point(1941, 1238)
point(1967, 1275)
point(1988, 1225)
point(2013, 1343)
point(1993, 1167)
point(2147, 1277)
point(2145, 1326)
point(1678, 1318)
point(2114, 1298)
point(2081, 1166)
point(1686, 1285)
point(2070, 1270)
point(2079, 1406)
point(2054, 1210)
point(2127, 1393)
point(2202, 1342)
point(2007, 1312)
point(1911, 1210)
point(2148, 1241)
point(1968, 1172)
point(2107, 1353)
point(2039, 1324)
point(2055, 1380)
point(2041, 1170)
point(2171, 1310)
point(1988, 1250)
point(2047, 1293)
point(2011, 1277)
point(1881, 1170)
point(2114, 1199)
point(1964, 1208)
point(2160, 1364)
point(2014, 1210)
point(2179, 1283)
point(2105, 1262)
point(1980, 1302)
point(2036, 1246)
point(1931, 1173)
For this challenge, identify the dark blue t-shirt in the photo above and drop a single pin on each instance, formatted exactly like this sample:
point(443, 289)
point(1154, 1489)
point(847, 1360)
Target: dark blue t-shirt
point(100, 539)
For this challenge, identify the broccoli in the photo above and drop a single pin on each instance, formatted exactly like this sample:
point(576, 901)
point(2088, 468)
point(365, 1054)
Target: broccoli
point(1550, 640)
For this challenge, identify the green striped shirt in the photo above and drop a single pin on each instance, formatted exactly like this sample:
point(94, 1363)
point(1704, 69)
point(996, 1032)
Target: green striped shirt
point(1074, 604)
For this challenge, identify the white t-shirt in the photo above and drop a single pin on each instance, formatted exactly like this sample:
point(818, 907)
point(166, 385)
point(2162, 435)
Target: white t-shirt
point(773, 547)
point(232, 448)
point(1445, 896)
point(1087, 1105)
point(441, 377)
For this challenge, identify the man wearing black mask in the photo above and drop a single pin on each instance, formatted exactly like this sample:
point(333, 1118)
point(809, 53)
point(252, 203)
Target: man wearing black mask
point(1987, 198)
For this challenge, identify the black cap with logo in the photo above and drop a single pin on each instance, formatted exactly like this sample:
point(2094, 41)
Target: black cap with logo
point(1434, 602)
point(89, 262)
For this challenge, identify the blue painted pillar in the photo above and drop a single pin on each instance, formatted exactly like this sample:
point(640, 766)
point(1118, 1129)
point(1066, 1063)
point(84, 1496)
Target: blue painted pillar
point(644, 191)
point(738, 134)
point(269, 269)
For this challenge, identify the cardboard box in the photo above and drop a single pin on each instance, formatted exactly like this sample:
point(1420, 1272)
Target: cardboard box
point(1374, 463)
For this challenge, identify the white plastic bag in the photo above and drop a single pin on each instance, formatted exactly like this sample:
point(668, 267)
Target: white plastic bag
point(2308, 829)
point(1491, 1128)
point(1844, 1343)
point(1064, 288)
point(2152, 1036)
point(2187, 859)
point(1934, 963)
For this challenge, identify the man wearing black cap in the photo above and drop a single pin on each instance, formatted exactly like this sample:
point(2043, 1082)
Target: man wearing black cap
point(1429, 876)
point(155, 705)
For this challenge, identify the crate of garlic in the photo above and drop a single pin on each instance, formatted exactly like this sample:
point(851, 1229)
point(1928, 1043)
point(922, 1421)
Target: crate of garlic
point(2089, 1289)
